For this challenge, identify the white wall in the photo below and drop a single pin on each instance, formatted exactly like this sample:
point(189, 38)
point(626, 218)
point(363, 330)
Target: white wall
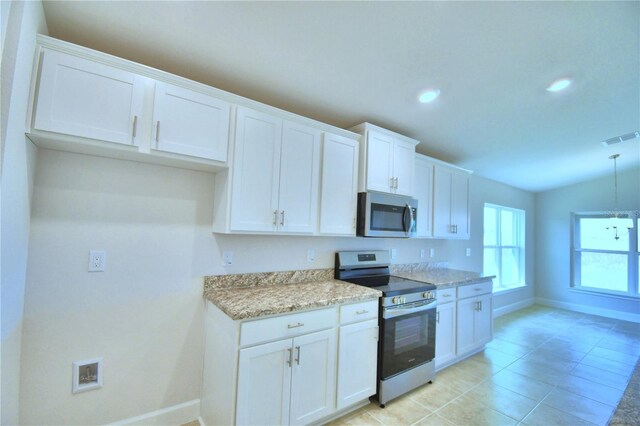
point(483, 191)
point(22, 23)
point(553, 210)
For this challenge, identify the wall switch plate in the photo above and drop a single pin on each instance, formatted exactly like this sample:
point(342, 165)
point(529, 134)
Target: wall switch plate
point(227, 258)
point(468, 252)
point(394, 253)
point(97, 260)
point(422, 253)
point(432, 252)
point(87, 375)
point(311, 255)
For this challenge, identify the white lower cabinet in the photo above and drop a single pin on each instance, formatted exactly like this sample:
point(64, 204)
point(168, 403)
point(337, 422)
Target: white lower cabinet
point(290, 381)
point(464, 322)
point(445, 333)
point(288, 369)
point(357, 364)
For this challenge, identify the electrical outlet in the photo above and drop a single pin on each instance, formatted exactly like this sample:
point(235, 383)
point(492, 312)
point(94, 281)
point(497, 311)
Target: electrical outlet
point(227, 258)
point(432, 252)
point(394, 253)
point(468, 251)
point(87, 375)
point(311, 255)
point(97, 260)
point(422, 253)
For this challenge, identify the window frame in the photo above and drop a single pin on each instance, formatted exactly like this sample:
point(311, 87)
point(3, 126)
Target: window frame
point(519, 234)
point(632, 253)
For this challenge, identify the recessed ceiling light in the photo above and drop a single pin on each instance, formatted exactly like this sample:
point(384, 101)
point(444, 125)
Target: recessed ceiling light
point(559, 85)
point(429, 96)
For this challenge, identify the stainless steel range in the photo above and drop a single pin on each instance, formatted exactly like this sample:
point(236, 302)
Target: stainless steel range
point(407, 319)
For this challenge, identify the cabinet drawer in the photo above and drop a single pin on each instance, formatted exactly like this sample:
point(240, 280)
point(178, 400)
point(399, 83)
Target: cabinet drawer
point(359, 311)
point(475, 289)
point(446, 295)
point(264, 330)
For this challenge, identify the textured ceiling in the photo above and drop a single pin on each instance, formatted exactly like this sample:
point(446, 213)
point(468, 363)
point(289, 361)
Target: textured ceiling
point(348, 62)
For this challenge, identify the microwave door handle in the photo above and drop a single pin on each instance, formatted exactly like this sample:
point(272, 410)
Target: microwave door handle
point(407, 228)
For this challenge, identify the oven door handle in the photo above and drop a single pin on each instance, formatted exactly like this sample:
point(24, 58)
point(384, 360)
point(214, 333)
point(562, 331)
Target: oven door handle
point(388, 313)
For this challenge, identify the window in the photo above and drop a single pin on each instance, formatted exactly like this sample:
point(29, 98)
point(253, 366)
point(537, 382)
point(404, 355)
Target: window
point(600, 261)
point(504, 246)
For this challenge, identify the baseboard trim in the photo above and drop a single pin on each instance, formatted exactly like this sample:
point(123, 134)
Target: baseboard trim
point(175, 415)
point(503, 310)
point(586, 309)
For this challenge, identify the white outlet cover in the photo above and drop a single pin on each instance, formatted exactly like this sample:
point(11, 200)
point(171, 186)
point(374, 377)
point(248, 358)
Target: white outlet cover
point(422, 253)
point(227, 258)
point(87, 375)
point(394, 253)
point(468, 252)
point(97, 260)
point(311, 255)
point(432, 252)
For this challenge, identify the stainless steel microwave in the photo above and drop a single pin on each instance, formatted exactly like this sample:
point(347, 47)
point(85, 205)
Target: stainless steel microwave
point(386, 215)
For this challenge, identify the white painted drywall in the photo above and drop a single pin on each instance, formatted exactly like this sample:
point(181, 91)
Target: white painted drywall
point(20, 26)
point(553, 209)
point(483, 191)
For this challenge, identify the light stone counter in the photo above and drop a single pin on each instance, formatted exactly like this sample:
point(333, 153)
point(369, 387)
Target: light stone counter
point(246, 296)
point(441, 277)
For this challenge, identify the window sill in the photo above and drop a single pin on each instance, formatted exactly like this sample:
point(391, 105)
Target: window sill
point(509, 290)
point(604, 293)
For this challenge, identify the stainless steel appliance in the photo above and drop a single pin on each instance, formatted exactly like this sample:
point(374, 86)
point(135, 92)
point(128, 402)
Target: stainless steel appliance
point(386, 215)
point(407, 317)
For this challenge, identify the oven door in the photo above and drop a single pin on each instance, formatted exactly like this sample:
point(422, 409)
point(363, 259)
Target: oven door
point(408, 336)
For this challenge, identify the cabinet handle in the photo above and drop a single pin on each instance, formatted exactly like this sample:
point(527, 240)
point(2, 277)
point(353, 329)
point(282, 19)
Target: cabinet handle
point(275, 217)
point(396, 183)
point(392, 183)
point(135, 126)
point(477, 306)
point(480, 305)
point(289, 360)
point(477, 289)
point(298, 358)
point(158, 131)
point(455, 229)
point(282, 218)
point(364, 311)
point(438, 317)
point(446, 295)
point(295, 325)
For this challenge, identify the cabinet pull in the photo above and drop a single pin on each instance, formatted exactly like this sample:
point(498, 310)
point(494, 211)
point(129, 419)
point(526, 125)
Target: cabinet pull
point(275, 217)
point(282, 218)
point(392, 183)
point(477, 289)
point(480, 305)
point(364, 311)
point(158, 131)
point(455, 229)
point(135, 126)
point(289, 360)
point(446, 295)
point(295, 325)
point(396, 183)
point(298, 358)
point(438, 317)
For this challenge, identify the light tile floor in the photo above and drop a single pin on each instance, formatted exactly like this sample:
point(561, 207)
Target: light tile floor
point(545, 366)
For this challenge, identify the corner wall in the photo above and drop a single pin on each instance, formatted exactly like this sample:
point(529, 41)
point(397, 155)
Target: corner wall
point(20, 26)
point(553, 225)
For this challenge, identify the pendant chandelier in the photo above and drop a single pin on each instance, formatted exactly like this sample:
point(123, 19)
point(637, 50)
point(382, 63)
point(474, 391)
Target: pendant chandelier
point(620, 222)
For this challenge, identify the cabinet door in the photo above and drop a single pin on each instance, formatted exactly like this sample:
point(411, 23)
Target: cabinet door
point(256, 171)
point(357, 362)
point(423, 192)
point(190, 123)
point(403, 167)
point(339, 188)
point(379, 162)
point(264, 384)
point(460, 205)
point(87, 99)
point(299, 179)
point(465, 325)
point(445, 333)
point(441, 202)
point(483, 332)
point(313, 384)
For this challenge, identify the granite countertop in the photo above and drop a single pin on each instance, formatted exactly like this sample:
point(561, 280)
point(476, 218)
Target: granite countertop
point(441, 277)
point(246, 296)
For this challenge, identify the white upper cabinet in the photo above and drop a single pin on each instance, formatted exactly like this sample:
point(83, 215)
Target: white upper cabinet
point(386, 161)
point(256, 171)
point(88, 99)
point(423, 192)
point(275, 175)
point(339, 188)
point(190, 123)
point(450, 203)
